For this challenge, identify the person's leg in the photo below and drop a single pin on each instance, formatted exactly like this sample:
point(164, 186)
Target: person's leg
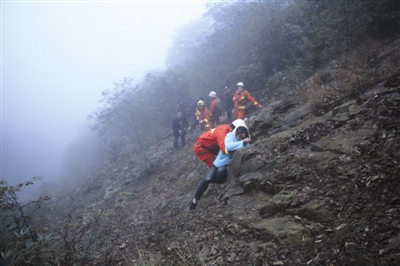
point(229, 113)
point(212, 121)
point(214, 175)
point(204, 155)
point(183, 139)
point(236, 112)
point(202, 127)
point(176, 137)
point(210, 177)
point(240, 114)
point(221, 175)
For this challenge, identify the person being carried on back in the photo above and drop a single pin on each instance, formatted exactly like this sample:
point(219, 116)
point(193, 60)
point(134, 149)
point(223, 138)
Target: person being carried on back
point(218, 172)
point(209, 143)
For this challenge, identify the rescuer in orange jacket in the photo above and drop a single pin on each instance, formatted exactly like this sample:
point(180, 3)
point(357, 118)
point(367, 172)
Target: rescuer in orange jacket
point(203, 116)
point(209, 143)
point(240, 99)
point(215, 109)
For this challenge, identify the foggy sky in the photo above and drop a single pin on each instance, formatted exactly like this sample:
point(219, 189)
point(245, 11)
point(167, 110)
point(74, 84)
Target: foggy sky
point(57, 57)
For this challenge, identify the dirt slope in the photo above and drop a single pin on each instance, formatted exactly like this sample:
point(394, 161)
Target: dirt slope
point(316, 187)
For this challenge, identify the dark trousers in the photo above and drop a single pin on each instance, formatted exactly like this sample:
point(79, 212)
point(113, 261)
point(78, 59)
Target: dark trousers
point(229, 113)
point(214, 175)
point(176, 137)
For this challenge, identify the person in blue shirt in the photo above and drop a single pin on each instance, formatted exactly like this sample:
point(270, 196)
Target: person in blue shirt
point(218, 172)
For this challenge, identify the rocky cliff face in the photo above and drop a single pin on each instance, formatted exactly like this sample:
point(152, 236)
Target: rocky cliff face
point(316, 187)
point(323, 191)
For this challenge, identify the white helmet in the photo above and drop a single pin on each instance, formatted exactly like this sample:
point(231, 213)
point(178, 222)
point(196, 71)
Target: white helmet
point(240, 84)
point(213, 94)
point(201, 104)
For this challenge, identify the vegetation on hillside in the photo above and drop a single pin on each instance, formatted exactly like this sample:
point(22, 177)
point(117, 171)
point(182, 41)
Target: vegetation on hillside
point(277, 49)
point(270, 46)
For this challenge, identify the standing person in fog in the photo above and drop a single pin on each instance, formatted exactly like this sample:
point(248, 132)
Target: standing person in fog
point(179, 126)
point(215, 109)
point(192, 109)
point(240, 98)
point(228, 103)
point(218, 172)
point(203, 116)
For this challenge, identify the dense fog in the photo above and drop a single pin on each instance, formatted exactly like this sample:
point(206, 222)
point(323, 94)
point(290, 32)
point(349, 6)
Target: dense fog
point(57, 58)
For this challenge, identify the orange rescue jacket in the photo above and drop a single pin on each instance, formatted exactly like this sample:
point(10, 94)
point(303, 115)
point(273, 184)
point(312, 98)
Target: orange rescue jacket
point(213, 106)
point(214, 139)
point(203, 115)
point(240, 99)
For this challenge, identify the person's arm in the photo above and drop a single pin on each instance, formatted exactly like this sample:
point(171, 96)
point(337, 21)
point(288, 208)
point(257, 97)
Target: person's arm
point(206, 114)
point(235, 96)
point(231, 144)
point(221, 145)
point(241, 96)
point(198, 114)
point(251, 99)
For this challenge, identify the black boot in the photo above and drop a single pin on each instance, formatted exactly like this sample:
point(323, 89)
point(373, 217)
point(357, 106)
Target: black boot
point(192, 205)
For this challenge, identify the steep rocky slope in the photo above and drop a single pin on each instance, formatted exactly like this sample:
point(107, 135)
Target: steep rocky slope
point(316, 187)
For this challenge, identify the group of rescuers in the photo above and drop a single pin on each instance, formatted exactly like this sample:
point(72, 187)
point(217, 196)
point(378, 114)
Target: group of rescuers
point(217, 143)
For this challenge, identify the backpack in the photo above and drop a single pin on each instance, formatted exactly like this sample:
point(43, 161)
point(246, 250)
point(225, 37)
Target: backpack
point(218, 107)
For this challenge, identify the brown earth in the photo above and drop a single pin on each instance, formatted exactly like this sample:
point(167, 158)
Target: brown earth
point(318, 186)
